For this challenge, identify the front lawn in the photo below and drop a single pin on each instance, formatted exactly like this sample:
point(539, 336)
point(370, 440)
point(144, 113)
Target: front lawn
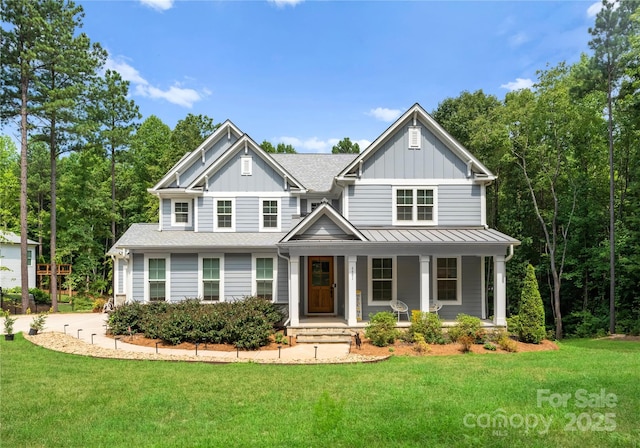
point(52, 399)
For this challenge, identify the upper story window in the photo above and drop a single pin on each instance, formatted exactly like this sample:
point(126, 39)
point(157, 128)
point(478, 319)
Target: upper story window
point(224, 219)
point(414, 205)
point(180, 212)
point(270, 215)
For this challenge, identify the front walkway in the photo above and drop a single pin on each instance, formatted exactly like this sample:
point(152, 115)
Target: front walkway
point(90, 329)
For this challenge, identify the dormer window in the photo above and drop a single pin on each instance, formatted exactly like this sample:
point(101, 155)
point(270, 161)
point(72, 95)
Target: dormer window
point(181, 212)
point(415, 137)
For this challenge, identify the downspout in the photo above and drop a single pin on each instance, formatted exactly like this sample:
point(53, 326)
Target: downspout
point(510, 256)
point(289, 261)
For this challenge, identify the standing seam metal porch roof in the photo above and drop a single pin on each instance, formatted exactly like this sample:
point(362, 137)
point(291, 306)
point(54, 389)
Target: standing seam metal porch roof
point(475, 235)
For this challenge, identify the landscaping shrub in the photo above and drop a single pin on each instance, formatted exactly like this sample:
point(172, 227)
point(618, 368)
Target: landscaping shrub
point(531, 313)
point(467, 341)
point(247, 323)
point(501, 337)
point(98, 305)
point(39, 296)
point(428, 325)
point(420, 345)
point(467, 326)
point(381, 330)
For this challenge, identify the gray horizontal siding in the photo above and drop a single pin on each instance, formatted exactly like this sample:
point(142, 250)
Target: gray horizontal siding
point(263, 177)
point(237, 275)
point(394, 160)
point(137, 289)
point(283, 280)
point(184, 276)
point(205, 214)
point(459, 205)
point(247, 214)
point(370, 205)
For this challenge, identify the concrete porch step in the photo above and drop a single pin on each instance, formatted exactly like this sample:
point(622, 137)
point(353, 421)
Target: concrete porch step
point(323, 339)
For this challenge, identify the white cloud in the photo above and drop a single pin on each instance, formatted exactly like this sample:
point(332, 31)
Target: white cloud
point(518, 39)
point(596, 7)
point(384, 114)
point(158, 5)
point(518, 84)
point(363, 143)
point(284, 3)
point(174, 94)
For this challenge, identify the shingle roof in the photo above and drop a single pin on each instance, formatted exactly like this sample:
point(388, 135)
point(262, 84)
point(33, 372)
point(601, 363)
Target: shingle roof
point(314, 171)
point(10, 237)
point(148, 236)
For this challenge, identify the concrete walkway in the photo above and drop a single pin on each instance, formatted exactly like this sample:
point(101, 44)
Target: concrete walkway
point(91, 329)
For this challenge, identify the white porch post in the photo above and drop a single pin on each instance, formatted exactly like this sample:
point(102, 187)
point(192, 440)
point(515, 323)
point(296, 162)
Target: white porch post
point(294, 290)
point(499, 291)
point(351, 280)
point(425, 286)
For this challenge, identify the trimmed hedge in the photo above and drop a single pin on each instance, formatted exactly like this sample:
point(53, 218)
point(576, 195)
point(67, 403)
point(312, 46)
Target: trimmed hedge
point(246, 323)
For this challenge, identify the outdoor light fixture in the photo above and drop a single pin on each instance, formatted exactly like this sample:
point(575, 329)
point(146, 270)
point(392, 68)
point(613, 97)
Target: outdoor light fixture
point(197, 343)
point(279, 347)
point(65, 328)
point(237, 352)
point(92, 335)
point(316, 355)
point(79, 330)
point(156, 348)
point(115, 342)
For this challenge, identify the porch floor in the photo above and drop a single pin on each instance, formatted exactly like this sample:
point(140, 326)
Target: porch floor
point(339, 322)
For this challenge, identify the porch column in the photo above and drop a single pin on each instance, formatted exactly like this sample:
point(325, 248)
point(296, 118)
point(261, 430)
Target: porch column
point(425, 286)
point(499, 290)
point(294, 290)
point(351, 280)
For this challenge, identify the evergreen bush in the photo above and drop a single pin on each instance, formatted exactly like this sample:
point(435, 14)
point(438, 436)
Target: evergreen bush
point(429, 325)
point(469, 327)
point(531, 314)
point(381, 330)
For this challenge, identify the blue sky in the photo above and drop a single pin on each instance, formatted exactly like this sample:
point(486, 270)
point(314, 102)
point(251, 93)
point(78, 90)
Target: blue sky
point(312, 72)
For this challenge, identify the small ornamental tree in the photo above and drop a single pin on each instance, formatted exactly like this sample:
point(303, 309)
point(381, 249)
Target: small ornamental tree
point(531, 314)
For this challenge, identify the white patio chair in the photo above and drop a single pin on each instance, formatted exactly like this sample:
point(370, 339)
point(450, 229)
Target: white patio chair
point(399, 307)
point(435, 307)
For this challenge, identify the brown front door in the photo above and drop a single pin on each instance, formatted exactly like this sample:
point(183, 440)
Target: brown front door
point(320, 285)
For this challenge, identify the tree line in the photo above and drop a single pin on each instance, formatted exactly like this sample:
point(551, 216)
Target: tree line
point(565, 152)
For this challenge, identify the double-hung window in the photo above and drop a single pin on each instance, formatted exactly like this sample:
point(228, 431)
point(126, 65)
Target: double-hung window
point(29, 257)
point(211, 279)
point(181, 212)
point(382, 280)
point(157, 272)
point(264, 277)
point(414, 206)
point(224, 219)
point(448, 280)
point(270, 215)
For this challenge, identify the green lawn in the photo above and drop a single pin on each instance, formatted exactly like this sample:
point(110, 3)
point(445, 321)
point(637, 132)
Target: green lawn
point(51, 399)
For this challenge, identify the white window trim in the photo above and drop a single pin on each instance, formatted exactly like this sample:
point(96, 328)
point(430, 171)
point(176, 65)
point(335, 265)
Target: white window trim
point(254, 286)
point(189, 222)
point(167, 273)
point(394, 282)
point(201, 278)
point(414, 221)
point(261, 208)
point(233, 215)
point(458, 283)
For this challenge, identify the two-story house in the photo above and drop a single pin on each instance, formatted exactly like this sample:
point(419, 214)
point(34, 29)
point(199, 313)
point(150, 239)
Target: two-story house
point(334, 236)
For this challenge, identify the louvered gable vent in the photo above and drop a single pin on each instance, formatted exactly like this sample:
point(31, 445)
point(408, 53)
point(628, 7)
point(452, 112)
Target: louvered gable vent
point(415, 137)
point(246, 166)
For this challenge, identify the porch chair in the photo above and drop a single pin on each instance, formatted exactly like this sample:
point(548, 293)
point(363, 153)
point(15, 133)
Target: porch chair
point(399, 307)
point(435, 307)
